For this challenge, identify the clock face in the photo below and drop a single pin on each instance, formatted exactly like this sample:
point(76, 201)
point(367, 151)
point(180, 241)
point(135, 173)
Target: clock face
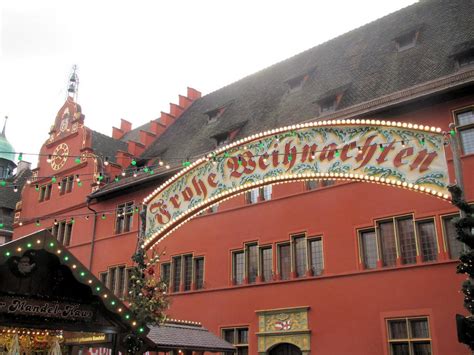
point(59, 156)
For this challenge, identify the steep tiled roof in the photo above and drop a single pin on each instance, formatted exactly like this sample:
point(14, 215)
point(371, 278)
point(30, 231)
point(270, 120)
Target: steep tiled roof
point(134, 134)
point(106, 146)
point(141, 179)
point(364, 63)
point(177, 336)
point(8, 196)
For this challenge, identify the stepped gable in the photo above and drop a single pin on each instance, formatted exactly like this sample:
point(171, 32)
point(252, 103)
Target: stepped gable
point(134, 134)
point(363, 64)
point(142, 137)
point(106, 146)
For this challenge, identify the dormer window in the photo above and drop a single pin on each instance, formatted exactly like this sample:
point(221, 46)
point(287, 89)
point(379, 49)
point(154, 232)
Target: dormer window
point(331, 100)
point(296, 84)
point(222, 139)
point(214, 115)
point(407, 41)
point(465, 59)
point(328, 105)
point(225, 138)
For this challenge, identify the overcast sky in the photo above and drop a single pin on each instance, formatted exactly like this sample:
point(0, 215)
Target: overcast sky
point(134, 58)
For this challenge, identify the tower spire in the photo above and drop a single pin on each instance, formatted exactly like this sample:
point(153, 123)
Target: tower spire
point(73, 85)
point(4, 126)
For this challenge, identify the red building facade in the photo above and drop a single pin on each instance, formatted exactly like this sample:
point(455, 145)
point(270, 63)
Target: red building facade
point(315, 267)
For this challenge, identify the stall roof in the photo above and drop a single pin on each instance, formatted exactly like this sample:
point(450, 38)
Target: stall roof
point(171, 336)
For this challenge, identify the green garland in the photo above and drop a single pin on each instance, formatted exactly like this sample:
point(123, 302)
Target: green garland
point(148, 299)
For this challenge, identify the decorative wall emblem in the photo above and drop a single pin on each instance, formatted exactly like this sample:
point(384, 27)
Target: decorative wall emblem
point(283, 325)
point(287, 325)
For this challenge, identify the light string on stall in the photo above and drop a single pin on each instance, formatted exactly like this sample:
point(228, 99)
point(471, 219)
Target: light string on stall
point(84, 275)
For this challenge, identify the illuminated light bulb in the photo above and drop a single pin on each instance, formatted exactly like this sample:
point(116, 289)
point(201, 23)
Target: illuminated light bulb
point(123, 173)
point(28, 181)
point(49, 158)
point(78, 179)
point(15, 188)
point(106, 161)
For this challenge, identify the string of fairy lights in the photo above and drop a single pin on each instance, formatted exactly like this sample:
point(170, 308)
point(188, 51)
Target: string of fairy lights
point(134, 171)
point(56, 219)
point(161, 166)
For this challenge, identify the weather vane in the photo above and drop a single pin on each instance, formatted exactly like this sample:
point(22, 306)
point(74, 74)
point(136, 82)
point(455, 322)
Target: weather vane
point(73, 86)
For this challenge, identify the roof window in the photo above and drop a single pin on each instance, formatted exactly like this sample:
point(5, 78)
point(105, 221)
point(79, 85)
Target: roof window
point(407, 41)
point(296, 84)
point(328, 105)
point(222, 139)
point(225, 138)
point(215, 114)
point(465, 59)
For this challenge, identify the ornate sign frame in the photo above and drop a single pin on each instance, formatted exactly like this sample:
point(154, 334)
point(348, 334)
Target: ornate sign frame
point(402, 155)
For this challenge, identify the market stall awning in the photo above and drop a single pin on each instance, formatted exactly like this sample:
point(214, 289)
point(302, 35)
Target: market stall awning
point(42, 285)
point(171, 336)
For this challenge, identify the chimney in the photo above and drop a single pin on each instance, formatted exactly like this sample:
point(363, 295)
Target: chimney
point(22, 166)
point(125, 125)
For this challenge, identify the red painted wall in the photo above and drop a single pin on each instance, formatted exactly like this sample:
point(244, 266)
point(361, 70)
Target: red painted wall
point(348, 305)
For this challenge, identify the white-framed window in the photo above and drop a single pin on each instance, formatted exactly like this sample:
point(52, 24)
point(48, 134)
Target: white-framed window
point(465, 127)
point(407, 41)
point(239, 337)
point(409, 336)
point(62, 231)
point(398, 237)
point(116, 279)
point(183, 271)
point(263, 193)
point(124, 218)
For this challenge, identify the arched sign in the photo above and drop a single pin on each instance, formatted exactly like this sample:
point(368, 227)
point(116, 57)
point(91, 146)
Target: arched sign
point(398, 154)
